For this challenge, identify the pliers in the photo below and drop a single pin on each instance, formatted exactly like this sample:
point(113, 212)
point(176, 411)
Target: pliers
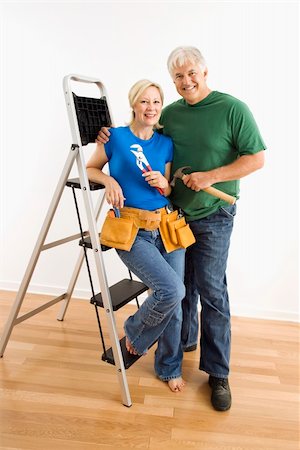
point(141, 160)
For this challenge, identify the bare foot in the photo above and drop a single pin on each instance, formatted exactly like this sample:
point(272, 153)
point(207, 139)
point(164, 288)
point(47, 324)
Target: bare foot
point(176, 384)
point(130, 348)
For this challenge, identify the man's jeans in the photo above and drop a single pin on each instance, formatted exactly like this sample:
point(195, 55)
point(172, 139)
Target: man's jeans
point(206, 262)
point(160, 315)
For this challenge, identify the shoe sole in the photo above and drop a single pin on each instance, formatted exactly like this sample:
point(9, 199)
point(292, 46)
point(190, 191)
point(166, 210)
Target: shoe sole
point(192, 348)
point(221, 409)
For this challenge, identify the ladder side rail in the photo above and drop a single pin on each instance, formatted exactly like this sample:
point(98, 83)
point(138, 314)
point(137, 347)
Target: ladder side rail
point(77, 139)
point(78, 265)
point(11, 321)
point(71, 286)
point(94, 235)
point(114, 338)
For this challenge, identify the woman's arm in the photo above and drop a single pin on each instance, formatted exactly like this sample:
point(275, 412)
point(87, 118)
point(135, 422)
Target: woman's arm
point(94, 166)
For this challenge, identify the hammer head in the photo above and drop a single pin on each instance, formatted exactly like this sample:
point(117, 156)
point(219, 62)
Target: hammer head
point(179, 174)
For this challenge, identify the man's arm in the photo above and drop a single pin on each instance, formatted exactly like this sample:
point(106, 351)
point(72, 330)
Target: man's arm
point(103, 136)
point(240, 168)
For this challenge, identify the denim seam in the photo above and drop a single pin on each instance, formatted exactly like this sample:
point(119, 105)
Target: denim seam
point(172, 377)
point(142, 330)
point(136, 338)
point(145, 274)
point(214, 374)
point(132, 341)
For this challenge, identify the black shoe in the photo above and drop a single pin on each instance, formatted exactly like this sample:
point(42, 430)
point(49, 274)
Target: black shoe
point(191, 348)
point(221, 395)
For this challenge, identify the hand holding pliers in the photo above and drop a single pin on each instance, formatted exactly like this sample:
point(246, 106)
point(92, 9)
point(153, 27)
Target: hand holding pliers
point(142, 162)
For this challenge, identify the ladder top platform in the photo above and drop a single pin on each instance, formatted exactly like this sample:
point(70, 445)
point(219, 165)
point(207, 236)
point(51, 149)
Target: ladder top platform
point(75, 182)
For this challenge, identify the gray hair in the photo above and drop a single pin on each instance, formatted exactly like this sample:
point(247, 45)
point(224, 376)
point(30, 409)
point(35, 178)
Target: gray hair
point(181, 55)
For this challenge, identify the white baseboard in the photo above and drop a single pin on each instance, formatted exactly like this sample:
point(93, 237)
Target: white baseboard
point(47, 290)
point(257, 313)
point(85, 294)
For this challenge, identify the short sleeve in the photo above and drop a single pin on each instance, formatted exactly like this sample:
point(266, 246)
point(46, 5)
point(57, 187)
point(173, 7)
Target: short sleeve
point(108, 147)
point(246, 135)
point(170, 152)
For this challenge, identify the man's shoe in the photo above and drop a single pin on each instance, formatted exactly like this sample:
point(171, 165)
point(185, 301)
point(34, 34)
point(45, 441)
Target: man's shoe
point(191, 348)
point(221, 395)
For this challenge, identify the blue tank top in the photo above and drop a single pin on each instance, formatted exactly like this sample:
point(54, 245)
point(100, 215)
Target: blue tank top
point(123, 166)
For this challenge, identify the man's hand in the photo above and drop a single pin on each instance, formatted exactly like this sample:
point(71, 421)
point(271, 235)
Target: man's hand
point(198, 180)
point(240, 168)
point(103, 136)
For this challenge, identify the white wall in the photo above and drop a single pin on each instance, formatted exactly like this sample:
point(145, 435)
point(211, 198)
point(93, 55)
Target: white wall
point(252, 52)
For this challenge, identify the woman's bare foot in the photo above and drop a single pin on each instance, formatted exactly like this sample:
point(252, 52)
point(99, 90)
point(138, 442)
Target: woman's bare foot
point(130, 348)
point(176, 384)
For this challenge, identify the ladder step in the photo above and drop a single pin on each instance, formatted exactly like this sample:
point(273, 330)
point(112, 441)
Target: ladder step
point(121, 293)
point(75, 182)
point(128, 358)
point(88, 244)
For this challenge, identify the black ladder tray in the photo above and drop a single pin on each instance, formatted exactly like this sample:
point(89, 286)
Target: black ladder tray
point(92, 114)
point(121, 293)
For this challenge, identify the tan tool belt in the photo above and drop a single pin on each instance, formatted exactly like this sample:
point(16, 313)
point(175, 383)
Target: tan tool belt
point(120, 232)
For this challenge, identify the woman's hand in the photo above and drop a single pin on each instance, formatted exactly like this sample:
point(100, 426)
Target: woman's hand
point(156, 179)
point(113, 193)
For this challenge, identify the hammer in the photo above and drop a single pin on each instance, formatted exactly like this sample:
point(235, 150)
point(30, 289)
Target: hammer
point(210, 190)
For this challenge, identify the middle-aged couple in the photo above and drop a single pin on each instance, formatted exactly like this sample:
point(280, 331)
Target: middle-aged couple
point(216, 135)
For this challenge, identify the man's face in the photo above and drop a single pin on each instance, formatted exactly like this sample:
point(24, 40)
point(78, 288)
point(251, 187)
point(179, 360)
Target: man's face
point(190, 82)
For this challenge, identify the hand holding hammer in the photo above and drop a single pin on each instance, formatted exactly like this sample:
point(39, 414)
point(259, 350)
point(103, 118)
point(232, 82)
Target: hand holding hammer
point(210, 190)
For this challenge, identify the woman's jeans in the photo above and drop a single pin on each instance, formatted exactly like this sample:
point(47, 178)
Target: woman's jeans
point(160, 315)
point(206, 262)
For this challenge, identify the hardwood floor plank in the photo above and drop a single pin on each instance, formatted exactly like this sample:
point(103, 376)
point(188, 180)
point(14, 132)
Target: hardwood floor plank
point(57, 393)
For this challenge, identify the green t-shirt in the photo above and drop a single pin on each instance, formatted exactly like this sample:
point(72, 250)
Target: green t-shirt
point(207, 135)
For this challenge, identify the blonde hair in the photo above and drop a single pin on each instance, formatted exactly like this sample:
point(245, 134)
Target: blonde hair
point(180, 55)
point(136, 91)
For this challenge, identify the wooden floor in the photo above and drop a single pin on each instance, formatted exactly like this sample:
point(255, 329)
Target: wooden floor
point(57, 394)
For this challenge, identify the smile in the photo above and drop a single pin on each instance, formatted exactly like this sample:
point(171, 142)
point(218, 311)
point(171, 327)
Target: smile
point(189, 88)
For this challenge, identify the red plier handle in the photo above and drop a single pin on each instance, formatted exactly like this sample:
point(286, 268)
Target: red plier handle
point(149, 169)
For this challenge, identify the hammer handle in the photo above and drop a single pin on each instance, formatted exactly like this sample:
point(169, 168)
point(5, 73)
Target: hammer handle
point(220, 194)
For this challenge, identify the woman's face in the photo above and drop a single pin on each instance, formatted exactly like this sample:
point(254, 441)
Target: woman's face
point(147, 108)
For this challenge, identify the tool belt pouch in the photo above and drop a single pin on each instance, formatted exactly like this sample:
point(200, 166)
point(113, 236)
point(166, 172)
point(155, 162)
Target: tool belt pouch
point(118, 232)
point(180, 232)
point(175, 232)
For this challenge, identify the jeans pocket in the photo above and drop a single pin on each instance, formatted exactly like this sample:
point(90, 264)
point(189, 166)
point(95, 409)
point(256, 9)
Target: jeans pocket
point(228, 211)
point(153, 318)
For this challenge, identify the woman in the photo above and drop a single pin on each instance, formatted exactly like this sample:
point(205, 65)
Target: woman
point(133, 188)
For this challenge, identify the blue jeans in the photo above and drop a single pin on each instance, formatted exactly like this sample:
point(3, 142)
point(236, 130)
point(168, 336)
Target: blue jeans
point(205, 276)
point(160, 315)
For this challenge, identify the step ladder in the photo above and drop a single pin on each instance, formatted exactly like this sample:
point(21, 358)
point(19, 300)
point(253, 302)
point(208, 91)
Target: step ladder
point(86, 116)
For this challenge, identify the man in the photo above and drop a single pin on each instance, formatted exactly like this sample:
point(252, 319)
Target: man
point(216, 135)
